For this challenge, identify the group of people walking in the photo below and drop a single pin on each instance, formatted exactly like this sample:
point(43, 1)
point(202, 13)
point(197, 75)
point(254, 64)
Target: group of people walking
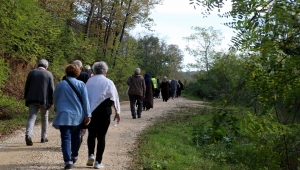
point(142, 91)
point(80, 100)
point(170, 89)
point(84, 100)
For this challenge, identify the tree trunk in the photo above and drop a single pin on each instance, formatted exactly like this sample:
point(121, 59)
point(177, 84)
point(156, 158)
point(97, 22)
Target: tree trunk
point(89, 19)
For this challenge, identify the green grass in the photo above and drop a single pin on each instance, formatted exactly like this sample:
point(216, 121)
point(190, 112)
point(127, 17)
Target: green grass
point(170, 144)
point(191, 97)
point(13, 116)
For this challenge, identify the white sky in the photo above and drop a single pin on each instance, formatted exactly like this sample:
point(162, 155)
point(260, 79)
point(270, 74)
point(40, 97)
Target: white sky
point(175, 18)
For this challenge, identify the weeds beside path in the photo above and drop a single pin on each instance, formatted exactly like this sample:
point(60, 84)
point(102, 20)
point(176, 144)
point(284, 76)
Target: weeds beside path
point(14, 154)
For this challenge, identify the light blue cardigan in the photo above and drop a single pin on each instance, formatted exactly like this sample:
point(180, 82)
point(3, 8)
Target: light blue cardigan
point(69, 110)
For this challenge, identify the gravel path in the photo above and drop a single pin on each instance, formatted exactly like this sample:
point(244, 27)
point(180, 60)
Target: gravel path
point(14, 154)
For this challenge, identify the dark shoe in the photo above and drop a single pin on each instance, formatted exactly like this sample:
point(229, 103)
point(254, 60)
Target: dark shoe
point(133, 117)
point(28, 140)
point(139, 116)
point(69, 166)
point(74, 160)
point(43, 140)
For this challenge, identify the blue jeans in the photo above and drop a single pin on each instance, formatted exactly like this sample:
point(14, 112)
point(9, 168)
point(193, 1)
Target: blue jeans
point(70, 142)
point(136, 100)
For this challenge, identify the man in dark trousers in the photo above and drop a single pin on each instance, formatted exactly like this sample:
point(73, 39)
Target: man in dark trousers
point(38, 95)
point(136, 92)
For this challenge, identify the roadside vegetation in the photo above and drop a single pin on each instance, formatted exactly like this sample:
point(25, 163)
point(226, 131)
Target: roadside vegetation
point(213, 138)
point(253, 88)
point(253, 120)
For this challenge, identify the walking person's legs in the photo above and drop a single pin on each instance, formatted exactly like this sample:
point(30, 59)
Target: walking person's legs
point(65, 134)
point(44, 119)
point(132, 100)
point(33, 110)
point(91, 142)
point(140, 106)
point(173, 92)
point(102, 130)
point(75, 142)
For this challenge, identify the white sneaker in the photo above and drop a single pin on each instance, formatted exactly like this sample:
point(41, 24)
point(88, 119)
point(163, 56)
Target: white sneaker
point(98, 166)
point(91, 160)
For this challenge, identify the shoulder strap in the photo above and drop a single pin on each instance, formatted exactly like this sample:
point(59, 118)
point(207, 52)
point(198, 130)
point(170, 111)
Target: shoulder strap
point(74, 89)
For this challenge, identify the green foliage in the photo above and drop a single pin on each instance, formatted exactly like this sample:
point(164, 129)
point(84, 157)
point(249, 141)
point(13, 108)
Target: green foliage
point(227, 138)
point(12, 115)
point(25, 25)
point(201, 45)
point(158, 58)
point(224, 81)
point(169, 143)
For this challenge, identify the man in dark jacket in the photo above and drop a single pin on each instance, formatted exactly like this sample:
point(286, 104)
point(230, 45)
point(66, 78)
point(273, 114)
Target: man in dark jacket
point(83, 76)
point(38, 95)
point(136, 92)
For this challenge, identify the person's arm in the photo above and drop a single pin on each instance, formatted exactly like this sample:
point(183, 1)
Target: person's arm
point(116, 102)
point(86, 106)
point(129, 81)
point(50, 91)
point(26, 86)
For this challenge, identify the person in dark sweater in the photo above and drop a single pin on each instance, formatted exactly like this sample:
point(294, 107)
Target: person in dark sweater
point(38, 94)
point(83, 76)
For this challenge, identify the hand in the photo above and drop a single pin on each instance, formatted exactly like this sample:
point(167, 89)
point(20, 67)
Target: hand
point(117, 116)
point(87, 120)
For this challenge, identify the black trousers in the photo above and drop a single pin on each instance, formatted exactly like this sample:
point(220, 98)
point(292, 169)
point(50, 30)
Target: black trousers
point(98, 128)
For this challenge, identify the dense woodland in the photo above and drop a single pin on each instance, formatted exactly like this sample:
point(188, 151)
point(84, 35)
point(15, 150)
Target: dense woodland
point(260, 73)
point(63, 31)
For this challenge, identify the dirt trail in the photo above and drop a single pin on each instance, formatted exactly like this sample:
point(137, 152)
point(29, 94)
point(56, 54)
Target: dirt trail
point(14, 154)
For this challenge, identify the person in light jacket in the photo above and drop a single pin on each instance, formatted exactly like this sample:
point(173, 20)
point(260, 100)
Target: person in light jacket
point(71, 110)
point(103, 95)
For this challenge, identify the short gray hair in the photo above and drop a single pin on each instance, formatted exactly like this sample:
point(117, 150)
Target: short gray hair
point(87, 67)
point(100, 67)
point(43, 63)
point(137, 71)
point(78, 63)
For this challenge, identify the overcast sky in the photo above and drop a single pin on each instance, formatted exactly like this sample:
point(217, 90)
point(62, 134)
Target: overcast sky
point(175, 18)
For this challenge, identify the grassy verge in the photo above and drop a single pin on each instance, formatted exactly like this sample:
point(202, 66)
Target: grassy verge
point(191, 97)
point(171, 144)
point(13, 116)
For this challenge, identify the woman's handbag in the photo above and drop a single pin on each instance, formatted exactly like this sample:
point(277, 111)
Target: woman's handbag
point(82, 125)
